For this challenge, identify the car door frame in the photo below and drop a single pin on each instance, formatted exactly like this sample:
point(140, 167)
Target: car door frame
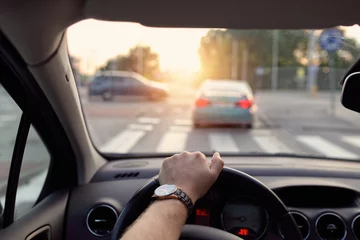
point(50, 207)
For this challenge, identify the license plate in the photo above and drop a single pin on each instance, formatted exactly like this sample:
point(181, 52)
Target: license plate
point(223, 104)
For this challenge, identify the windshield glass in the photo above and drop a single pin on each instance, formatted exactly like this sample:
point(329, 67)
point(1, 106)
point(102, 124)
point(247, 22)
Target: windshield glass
point(275, 91)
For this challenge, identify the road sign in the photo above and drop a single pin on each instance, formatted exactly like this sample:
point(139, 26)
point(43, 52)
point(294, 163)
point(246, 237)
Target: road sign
point(331, 40)
point(259, 71)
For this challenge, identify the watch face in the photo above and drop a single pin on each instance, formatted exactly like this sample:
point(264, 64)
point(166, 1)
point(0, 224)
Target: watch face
point(165, 190)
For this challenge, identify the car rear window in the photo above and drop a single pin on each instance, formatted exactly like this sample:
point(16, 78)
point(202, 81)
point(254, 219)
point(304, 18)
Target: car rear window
point(223, 93)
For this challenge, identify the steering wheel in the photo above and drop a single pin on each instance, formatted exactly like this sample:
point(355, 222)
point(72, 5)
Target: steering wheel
point(276, 209)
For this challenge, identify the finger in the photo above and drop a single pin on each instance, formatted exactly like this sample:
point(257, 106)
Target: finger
point(199, 155)
point(216, 164)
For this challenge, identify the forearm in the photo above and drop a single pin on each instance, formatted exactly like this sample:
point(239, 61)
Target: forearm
point(163, 220)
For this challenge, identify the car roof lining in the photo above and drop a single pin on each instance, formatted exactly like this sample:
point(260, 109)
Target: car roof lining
point(254, 14)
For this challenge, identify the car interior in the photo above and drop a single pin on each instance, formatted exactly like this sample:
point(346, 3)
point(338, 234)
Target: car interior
point(90, 195)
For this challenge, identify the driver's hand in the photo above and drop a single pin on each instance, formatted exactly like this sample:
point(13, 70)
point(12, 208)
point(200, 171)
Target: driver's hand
point(191, 172)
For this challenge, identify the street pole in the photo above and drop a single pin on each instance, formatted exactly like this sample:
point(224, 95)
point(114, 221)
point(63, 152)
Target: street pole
point(332, 84)
point(311, 75)
point(245, 54)
point(234, 64)
point(275, 55)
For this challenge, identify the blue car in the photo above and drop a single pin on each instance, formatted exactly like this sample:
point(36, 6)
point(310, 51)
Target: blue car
point(227, 102)
point(108, 84)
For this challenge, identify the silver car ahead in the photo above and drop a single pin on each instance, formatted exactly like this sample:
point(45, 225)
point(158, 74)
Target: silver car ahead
point(224, 102)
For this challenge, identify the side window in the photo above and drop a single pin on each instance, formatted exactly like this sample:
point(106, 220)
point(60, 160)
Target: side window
point(35, 162)
point(33, 172)
point(134, 82)
point(119, 81)
point(10, 115)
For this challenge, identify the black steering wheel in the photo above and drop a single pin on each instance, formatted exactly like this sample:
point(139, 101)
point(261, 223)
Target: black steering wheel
point(277, 210)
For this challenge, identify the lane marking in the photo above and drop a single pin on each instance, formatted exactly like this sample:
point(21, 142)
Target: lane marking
point(172, 142)
point(148, 120)
point(271, 144)
point(222, 142)
point(147, 127)
point(123, 142)
point(352, 140)
point(325, 147)
point(180, 128)
point(183, 122)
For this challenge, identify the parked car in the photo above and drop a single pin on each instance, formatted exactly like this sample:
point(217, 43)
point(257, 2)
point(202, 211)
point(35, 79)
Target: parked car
point(108, 84)
point(224, 102)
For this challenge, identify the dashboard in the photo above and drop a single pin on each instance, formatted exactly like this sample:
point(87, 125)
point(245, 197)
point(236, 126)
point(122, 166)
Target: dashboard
point(322, 195)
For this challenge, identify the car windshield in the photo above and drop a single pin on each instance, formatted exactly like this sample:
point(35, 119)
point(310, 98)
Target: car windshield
point(265, 91)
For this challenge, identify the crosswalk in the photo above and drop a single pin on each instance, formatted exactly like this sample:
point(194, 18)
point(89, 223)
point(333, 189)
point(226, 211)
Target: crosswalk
point(177, 135)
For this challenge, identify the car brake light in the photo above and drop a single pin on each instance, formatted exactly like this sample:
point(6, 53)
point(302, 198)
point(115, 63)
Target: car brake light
point(245, 103)
point(202, 102)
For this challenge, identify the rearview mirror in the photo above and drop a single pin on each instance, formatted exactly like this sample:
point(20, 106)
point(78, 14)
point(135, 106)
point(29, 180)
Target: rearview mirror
point(350, 96)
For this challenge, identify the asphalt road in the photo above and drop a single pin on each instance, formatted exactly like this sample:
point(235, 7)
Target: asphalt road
point(289, 122)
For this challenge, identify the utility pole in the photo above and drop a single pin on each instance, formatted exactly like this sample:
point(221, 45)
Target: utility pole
point(275, 59)
point(234, 60)
point(311, 74)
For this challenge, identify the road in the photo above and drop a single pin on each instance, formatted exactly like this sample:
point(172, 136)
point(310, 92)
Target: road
point(291, 122)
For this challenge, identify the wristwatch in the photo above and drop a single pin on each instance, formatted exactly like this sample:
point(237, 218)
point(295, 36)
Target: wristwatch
point(170, 191)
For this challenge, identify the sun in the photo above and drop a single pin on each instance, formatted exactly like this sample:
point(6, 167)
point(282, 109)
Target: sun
point(93, 42)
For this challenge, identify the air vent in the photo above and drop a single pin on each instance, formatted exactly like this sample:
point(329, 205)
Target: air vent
point(330, 226)
point(303, 224)
point(356, 227)
point(101, 220)
point(127, 175)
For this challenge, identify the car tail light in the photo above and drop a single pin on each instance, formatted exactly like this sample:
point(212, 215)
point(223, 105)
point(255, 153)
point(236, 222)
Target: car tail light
point(244, 103)
point(202, 102)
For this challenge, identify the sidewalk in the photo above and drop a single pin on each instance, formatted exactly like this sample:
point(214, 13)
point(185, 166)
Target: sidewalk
point(301, 108)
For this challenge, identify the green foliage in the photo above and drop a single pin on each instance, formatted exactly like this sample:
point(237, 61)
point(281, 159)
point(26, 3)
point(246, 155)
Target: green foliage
point(140, 59)
point(216, 51)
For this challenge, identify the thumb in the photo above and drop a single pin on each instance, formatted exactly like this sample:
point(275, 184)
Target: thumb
point(216, 164)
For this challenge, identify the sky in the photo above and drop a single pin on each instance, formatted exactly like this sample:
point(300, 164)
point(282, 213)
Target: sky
point(94, 42)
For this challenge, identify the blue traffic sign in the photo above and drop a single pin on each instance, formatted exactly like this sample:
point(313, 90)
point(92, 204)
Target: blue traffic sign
point(331, 40)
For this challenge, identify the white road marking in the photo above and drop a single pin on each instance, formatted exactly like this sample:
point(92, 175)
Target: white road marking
point(352, 140)
point(222, 142)
point(145, 127)
point(325, 147)
point(180, 128)
point(271, 144)
point(183, 122)
point(172, 142)
point(148, 120)
point(123, 142)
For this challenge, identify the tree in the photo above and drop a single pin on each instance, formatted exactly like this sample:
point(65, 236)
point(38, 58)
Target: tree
point(216, 50)
point(140, 59)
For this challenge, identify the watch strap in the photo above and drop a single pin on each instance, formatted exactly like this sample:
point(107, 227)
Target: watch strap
point(184, 198)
